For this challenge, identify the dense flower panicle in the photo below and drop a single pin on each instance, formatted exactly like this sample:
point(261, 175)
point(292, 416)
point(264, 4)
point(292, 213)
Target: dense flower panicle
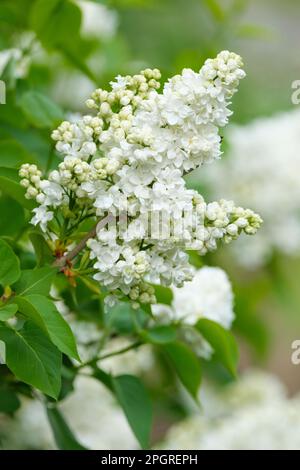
point(96, 424)
point(91, 411)
point(209, 295)
point(17, 57)
point(253, 414)
point(262, 168)
point(130, 158)
point(98, 20)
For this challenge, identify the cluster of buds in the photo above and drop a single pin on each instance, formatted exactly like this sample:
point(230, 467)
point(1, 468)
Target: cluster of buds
point(31, 180)
point(105, 167)
point(141, 264)
point(71, 173)
point(222, 220)
point(227, 68)
point(128, 90)
point(131, 156)
point(115, 108)
point(77, 139)
point(142, 294)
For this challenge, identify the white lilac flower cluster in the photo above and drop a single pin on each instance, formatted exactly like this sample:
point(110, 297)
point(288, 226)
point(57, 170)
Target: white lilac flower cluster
point(19, 57)
point(262, 168)
point(16, 57)
point(130, 158)
point(253, 414)
point(209, 295)
point(91, 412)
point(99, 23)
point(88, 337)
point(98, 20)
point(27, 429)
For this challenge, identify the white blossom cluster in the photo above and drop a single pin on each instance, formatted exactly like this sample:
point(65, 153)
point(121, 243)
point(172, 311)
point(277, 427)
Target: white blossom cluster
point(209, 295)
point(17, 57)
point(262, 168)
point(130, 158)
point(91, 412)
point(252, 414)
point(88, 337)
point(99, 23)
point(97, 20)
point(96, 423)
point(27, 429)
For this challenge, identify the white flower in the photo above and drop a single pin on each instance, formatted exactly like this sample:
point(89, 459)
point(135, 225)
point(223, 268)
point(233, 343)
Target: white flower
point(41, 217)
point(90, 410)
point(253, 413)
point(262, 168)
point(98, 20)
point(100, 423)
point(209, 295)
point(130, 159)
point(53, 193)
point(20, 61)
point(28, 429)
point(76, 139)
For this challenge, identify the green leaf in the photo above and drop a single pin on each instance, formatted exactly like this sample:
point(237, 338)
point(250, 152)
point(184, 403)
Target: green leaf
point(136, 404)
point(13, 154)
point(9, 402)
point(41, 13)
point(186, 364)
point(160, 334)
point(92, 285)
point(41, 248)
point(63, 435)
point(164, 295)
point(57, 24)
point(12, 115)
point(103, 377)
point(54, 20)
point(11, 225)
point(43, 312)
point(254, 31)
point(71, 53)
point(249, 324)
point(10, 185)
point(9, 265)
point(147, 309)
point(35, 281)
point(216, 10)
point(8, 311)
point(222, 342)
point(40, 110)
point(68, 376)
point(123, 318)
point(32, 357)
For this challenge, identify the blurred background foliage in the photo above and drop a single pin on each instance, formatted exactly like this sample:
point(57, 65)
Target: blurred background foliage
point(54, 52)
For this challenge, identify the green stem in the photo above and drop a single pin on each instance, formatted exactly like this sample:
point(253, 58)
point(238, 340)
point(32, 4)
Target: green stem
point(87, 271)
point(121, 351)
point(94, 361)
point(61, 262)
point(73, 227)
point(50, 157)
